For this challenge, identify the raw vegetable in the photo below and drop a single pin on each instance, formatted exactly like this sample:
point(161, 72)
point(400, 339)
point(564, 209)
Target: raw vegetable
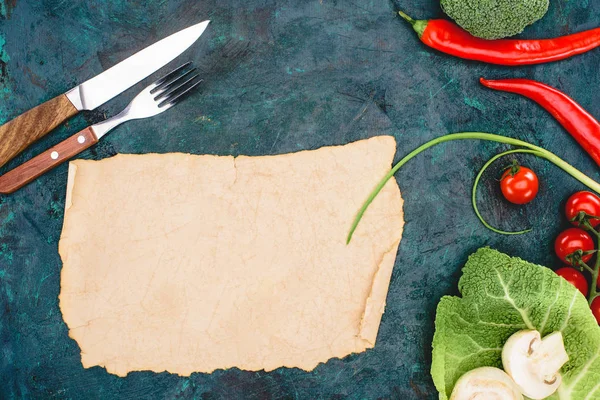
point(496, 19)
point(581, 205)
point(575, 278)
point(530, 148)
point(502, 295)
point(519, 185)
point(478, 178)
point(578, 250)
point(581, 256)
point(449, 38)
point(534, 363)
point(573, 246)
point(584, 128)
point(596, 308)
point(486, 383)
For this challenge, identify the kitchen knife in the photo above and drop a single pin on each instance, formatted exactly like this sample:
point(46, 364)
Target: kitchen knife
point(155, 99)
point(30, 126)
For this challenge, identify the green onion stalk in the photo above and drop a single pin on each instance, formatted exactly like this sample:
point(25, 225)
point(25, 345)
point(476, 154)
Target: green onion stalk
point(524, 148)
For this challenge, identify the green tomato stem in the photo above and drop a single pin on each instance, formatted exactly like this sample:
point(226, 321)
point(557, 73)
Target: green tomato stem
point(478, 177)
point(575, 173)
point(584, 265)
point(594, 287)
point(587, 225)
point(596, 270)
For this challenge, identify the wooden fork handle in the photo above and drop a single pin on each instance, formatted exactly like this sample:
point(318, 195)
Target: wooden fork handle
point(32, 169)
point(28, 127)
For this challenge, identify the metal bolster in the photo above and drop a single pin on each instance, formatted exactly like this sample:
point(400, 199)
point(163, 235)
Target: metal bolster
point(74, 96)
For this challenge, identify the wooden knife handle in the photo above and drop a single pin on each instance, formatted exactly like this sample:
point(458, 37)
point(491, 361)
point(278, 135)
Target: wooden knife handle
point(30, 170)
point(28, 127)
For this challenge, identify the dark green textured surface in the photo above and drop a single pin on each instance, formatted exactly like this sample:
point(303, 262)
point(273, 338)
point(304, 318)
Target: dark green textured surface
point(281, 76)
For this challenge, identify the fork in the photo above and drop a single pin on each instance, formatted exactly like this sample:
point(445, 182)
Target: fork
point(153, 100)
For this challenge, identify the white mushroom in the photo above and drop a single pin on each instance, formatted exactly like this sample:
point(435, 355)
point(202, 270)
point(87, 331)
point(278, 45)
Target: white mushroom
point(486, 383)
point(534, 364)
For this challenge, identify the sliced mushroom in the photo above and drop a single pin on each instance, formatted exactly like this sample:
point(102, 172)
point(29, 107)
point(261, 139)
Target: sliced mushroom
point(534, 363)
point(486, 383)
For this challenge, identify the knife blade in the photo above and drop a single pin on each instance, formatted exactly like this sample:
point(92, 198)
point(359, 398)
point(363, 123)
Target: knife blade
point(19, 133)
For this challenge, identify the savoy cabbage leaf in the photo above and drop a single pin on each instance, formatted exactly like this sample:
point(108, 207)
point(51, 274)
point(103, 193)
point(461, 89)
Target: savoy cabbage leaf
point(500, 296)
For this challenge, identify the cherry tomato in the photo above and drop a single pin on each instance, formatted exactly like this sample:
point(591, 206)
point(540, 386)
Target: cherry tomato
point(519, 185)
point(596, 308)
point(575, 278)
point(571, 240)
point(586, 202)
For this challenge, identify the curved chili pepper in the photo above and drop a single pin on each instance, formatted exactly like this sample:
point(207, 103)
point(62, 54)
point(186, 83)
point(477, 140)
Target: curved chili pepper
point(449, 38)
point(574, 118)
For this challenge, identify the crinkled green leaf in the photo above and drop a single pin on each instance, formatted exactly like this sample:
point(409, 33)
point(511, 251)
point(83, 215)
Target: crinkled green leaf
point(500, 296)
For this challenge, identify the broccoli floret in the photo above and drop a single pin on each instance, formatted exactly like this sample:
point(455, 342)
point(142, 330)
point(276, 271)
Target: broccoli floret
point(495, 19)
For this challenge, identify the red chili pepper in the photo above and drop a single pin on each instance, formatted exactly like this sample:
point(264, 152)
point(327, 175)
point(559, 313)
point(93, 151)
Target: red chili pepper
point(574, 118)
point(449, 38)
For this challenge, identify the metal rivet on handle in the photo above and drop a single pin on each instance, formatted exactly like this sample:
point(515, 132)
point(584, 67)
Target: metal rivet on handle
point(81, 139)
point(54, 155)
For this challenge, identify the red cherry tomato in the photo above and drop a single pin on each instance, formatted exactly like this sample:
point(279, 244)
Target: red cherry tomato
point(575, 278)
point(596, 308)
point(586, 202)
point(571, 240)
point(520, 186)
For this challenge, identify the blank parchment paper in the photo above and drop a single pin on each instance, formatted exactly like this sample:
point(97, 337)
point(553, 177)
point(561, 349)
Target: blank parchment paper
point(190, 263)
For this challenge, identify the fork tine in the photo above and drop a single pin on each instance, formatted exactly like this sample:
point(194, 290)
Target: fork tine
point(182, 91)
point(170, 77)
point(174, 84)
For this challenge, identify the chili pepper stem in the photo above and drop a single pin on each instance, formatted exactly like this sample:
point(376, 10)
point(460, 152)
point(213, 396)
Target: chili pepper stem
point(418, 25)
point(406, 17)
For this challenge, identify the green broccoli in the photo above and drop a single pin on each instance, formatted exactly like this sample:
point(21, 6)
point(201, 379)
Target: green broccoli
point(495, 19)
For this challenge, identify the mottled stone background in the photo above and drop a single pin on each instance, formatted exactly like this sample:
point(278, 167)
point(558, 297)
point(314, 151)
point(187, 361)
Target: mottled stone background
point(281, 76)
